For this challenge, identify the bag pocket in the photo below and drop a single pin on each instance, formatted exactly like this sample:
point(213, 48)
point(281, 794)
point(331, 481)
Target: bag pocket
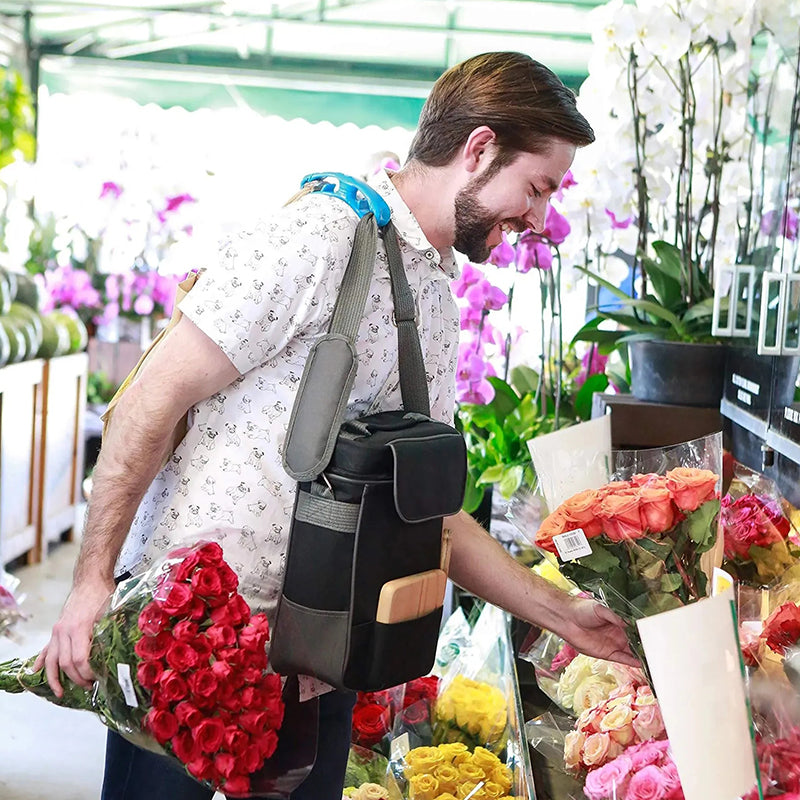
point(309, 641)
point(382, 655)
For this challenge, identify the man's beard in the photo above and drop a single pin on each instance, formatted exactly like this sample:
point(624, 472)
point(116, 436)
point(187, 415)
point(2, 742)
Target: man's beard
point(473, 224)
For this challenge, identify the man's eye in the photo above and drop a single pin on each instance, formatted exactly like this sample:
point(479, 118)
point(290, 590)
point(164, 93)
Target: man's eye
point(536, 192)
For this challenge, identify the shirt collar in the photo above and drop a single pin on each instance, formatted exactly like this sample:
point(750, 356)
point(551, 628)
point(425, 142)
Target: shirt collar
point(409, 229)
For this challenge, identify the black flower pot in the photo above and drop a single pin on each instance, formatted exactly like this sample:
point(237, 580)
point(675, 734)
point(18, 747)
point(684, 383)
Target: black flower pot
point(677, 373)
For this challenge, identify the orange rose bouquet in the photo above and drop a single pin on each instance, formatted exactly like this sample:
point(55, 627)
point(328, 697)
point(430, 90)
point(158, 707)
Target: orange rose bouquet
point(638, 543)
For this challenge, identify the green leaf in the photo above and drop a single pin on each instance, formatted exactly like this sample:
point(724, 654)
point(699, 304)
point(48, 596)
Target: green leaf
point(491, 475)
point(524, 379)
point(657, 311)
point(505, 398)
point(669, 260)
point(703, 309)
point(601, 560)
point(585, 395)
point(701, 525)
point(670, 582)
point(615, 290)
point(472, 495)
point(511, 481)
point(666, 285)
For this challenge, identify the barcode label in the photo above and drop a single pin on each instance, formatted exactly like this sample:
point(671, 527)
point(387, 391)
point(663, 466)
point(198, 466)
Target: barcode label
point(126, 684)
point(572, 545)
point(400, 746)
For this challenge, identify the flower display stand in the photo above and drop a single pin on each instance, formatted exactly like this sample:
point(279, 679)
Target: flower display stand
point(61, 446)
point(21, 401)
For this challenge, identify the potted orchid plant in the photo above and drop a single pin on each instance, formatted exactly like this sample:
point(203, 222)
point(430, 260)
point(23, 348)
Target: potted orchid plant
point(681, 96)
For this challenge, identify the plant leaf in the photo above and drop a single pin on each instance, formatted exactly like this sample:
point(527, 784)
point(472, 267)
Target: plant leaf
point(701, 525)
point(584, 397)
point(601, 560)
point(511, 481)
point(524, 380)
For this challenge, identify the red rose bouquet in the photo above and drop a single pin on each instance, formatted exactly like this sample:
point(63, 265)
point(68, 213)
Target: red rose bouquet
point(181, 669)
point(758, 535)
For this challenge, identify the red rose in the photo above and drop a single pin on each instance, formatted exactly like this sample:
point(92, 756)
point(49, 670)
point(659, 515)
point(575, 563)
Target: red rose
point(254, 722)
point(257, 659)
point(152, 620)
point(174, 598)
point(370, 724)
point(416, 713)
point(162, 724)
point(250, 639)
point(272, 683)
point(274, 709)
point(209, 734)
point(172, 687)
point(203, 683)
point(187, 566)
point(236, 785)
point(197, 609)
point(228, 578)
point(151, 648)
point(252, 675)
point(188, 714)
point(182, 657)
point(210, 555)
point(260, 623)
point(222, 669)
point(224, 615)
point(148, 673)
point(252, 758)
point(225, 764)
point(231, 701)
point(232, 656)
point(206, 582)
point(203, 648)
point(236, 741)
point(428, 687)
point(782, 628)
point(202, 768)
point(185, 631)
point(185, 747)
point(221, 636)
point(267, 744)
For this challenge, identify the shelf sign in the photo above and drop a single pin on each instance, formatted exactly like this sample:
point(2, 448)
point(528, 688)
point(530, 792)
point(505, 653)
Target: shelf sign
point(733, 301)
point(780, 312)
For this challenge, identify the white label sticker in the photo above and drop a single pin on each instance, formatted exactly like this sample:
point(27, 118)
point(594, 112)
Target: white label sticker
point(400, 746)
point(572, 545)
point(126, 684)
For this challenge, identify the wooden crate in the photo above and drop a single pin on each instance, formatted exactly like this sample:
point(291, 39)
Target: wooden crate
point(21, 401)
point(62, 446)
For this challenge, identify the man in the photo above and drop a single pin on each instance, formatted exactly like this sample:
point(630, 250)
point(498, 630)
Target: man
point(496, 136)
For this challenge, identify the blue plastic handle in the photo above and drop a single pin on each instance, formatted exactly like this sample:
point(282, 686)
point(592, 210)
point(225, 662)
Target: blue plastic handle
point(361, 197)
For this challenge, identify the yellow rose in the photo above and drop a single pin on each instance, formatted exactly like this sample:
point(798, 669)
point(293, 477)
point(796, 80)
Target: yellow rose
point(452, 749)
point(645, 696)
point(465, 791)
point(502, 774)
point(493, 790)
point(573, 747)
point(619, 723)
point(371, 791)
point(423, 760)
point(446, 796)
point(447, 775)
point(423, 787)
point(470, 772)
point(462, 758)
point(485, 759)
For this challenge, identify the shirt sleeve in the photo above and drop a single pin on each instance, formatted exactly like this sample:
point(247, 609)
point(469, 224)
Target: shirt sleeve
point(276, 283)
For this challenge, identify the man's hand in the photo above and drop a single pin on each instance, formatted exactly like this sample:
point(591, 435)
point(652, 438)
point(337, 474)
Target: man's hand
point(595, 630)
point(70, 641)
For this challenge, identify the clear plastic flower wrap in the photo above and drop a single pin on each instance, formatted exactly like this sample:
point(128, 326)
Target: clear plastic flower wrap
point(761, 544)
point(368, 776)
point(10, 603)
point(646, 541)
point(573, 681)
point(181, 669)
point(477, 740)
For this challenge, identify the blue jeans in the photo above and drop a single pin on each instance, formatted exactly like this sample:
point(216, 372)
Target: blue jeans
point(135, 774)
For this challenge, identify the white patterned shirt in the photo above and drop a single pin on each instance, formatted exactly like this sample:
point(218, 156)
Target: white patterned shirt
point(266, 302)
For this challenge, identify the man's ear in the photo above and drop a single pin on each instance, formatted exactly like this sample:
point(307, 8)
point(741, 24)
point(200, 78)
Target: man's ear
point(480, 146)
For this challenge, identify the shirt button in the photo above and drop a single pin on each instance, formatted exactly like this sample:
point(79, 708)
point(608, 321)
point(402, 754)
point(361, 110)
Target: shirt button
point(429, 254)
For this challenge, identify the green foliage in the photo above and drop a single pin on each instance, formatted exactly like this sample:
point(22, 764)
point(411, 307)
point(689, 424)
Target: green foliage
point(99, 388)
point(16, 119)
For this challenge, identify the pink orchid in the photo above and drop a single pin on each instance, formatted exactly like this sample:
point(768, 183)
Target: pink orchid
point(110, 189)
point(484, 295)
point(556, 227)
point(618, 224)
point(503, 254)
point(533, 253)
point(470, 275)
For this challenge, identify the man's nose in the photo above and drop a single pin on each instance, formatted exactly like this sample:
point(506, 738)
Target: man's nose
point(536, 216)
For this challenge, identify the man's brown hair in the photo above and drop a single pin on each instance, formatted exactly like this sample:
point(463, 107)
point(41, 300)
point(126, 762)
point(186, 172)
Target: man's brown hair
point(521, 100)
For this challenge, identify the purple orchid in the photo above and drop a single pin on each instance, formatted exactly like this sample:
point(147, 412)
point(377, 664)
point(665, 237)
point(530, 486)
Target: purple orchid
point(556, 227)
point(616, 223)
point(533, 253)
point(788, 223)
point(173, 204)
point(566, 182)
point(470, 275)
point(504, 254)
point(592, 363)
point(485, 296)
point(110, 189)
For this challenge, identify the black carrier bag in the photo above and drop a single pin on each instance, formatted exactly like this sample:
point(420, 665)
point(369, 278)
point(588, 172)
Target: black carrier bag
point(364, 584)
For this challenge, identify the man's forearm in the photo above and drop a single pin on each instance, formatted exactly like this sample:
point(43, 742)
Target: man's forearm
point(480, 565)
point(129, 460)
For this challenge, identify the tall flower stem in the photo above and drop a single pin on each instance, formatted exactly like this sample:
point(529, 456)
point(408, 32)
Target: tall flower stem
point(642, 196)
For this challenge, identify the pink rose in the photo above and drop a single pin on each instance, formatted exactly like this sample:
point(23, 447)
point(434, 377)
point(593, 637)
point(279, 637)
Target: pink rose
point(648, 723)
point(642, 755)
point(573, 745)
point(672, 782)
point(609, 780)
point(647, 784)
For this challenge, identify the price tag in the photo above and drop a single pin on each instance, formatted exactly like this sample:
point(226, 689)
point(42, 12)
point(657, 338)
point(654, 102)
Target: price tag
point(400, 746)
point(126, 684)
point(572, 545)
